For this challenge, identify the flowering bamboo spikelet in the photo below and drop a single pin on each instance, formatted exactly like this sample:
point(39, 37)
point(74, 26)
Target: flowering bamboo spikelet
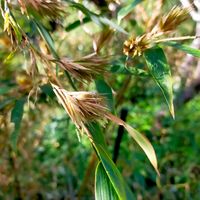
point(82, 107)
point(50, 8)
point(135, 46)
point(86, 107)
point(174, 18)
point(84, 69)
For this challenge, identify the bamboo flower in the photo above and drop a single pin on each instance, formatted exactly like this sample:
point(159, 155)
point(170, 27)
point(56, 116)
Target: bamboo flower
point(135, 46)
point(84, 69)
point(85, 107)
point(50, 8)
point(82, 107)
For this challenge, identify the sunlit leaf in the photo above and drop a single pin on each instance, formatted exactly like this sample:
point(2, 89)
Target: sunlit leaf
point(103, 187)
point(141, 140)
point(123, 12)
point(99, 20)
point(160, 71)
point(185, 48)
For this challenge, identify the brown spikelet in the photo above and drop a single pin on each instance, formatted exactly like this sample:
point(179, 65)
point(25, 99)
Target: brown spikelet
point(85, 68)
point(82, 107)
point(135, 46)
point(174, 18)
point(50, 8)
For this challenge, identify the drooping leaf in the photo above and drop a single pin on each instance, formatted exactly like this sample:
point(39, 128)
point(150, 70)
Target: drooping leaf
point(16, 118)
point(123, 12)
point(185, 48)
point(103, 187)
point(141, 140)
point(104, 89)
point(160, 71)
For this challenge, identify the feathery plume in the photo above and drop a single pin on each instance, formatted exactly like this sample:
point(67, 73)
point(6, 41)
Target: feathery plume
point(50, 8)
point(82, 107)
point(84, 69)
point(135, 46)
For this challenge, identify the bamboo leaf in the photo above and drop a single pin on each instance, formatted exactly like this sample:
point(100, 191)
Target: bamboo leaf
point(77, 23)
point(16, 118)
point(103, 187)
point(113, 173)
point(123, 12)
point(185, 48)
point(160, 71)
point(141, 140)
point(46, 36)
point(110, 168)
point(97, 19)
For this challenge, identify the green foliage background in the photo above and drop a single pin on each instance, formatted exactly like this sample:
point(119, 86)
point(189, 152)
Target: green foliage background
point(46, 160)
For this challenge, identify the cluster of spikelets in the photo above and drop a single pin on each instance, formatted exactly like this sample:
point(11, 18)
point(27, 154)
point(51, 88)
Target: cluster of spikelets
point(50, 8)
point(135, 46)
point(82, 107)
point(84, 69)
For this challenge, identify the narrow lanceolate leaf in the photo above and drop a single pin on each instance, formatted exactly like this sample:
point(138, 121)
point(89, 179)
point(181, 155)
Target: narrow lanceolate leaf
point(46, 36)
point(103, 187)
point(141, 140)
point(123, 12)
point(160, 71)
point(16, 118)
point(185, 48)
point(122, 190)
point(97, 19)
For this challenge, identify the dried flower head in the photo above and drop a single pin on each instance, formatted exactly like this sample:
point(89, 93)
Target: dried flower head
point(50, 8)
point(84, 69)
point(82, 107)
point(136, 46)
point(166, 24)
point(174, 18)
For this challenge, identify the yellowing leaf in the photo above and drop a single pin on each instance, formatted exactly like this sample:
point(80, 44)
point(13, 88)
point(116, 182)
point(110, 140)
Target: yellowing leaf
point(141, 140)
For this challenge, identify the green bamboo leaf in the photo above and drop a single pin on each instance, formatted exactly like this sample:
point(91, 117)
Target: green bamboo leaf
point(141, 140)
point(97, 19)
point(185, 48)
point(160, 71)
point(110, 168)
point(104, 89)
point(103, 187)
point(77, 23)
point(46, 37)
point(123, 12)
point(16, 118)
point(145, 145)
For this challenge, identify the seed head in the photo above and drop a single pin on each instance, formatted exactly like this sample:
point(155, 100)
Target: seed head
point(50, 8)
point(136, 46)
point(82, 107)
point(174, 18)
point(84, 69)
point(168, 23)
